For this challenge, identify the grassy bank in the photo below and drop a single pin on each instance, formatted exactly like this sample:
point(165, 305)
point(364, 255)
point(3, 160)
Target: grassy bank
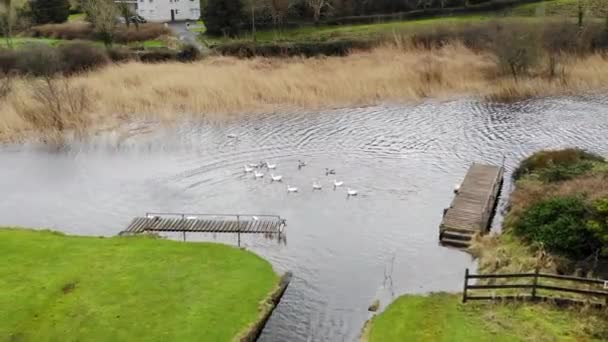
point(442, 317)
point(562, 8)
point(556, 219)
point(69, 288)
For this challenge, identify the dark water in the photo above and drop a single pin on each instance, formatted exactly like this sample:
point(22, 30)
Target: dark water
point(344, 253)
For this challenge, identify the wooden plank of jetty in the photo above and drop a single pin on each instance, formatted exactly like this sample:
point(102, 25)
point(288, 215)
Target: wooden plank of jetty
point(205, 224)
point(472, 208)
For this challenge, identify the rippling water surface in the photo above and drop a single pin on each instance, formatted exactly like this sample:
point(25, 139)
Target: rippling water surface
point(344, 253)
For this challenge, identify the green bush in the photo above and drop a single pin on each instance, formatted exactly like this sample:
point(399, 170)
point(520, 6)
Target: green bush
point(560, 225)
point(556, 173)
point(572, 159)
point(598, 224)
point(50, 11)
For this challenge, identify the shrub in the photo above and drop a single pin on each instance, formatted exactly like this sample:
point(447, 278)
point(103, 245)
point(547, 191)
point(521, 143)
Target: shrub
point(598, 224)
point(144, 32)
point(39, 60)
point(567, 158)
point(69, 31)
point(121, 54)
point(157, 55)
point(557, 173)
point(189, 53)
point(79, 57)
point(559, 224)
point(85, 31)
point(8, 61)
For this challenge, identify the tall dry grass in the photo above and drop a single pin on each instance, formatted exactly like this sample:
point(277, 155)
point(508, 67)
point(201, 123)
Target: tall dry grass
point(221, 86)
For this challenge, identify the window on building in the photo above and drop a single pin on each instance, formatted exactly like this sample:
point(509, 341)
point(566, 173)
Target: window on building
point(176, 12)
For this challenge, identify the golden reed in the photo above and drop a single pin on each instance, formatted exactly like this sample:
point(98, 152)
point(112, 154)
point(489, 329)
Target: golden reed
point(221, 86)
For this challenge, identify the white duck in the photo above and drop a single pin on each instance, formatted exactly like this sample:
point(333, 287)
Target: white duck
point(456, 188)
point(254, 166)
point(248, 168)
point(337, 183)
point(292, 189)
point(316, 186)
point(277, 178)
point(257, 174)
point(271, 166)
point(351, 192)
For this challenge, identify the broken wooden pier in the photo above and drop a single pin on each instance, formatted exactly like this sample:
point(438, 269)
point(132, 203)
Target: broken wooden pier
point(207, 223)
point(473, 206)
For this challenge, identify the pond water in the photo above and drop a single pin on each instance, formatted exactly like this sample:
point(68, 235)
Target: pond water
point(343, 252)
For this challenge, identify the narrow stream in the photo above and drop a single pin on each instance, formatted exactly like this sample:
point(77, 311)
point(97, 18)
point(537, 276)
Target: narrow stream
point(344, 253)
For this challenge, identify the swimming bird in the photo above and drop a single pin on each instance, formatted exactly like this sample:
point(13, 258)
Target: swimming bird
point(351, 192)
point(330, 171)
point(316, 186)
point(252, 165)
point(301, 164)
point(248, 168)
point(456, 188)
point(255, 218)
point(337, 183)
point(292, 189)
point(257, 174)
point(191, 217)
point(277, 178)
point(232, 136)
point(271, 166)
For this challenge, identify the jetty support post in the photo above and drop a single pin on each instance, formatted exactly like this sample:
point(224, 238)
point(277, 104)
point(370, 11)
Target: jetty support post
point(238, 232)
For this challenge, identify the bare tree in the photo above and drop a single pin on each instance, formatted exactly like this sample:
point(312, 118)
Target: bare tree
point(317, 7)
point(278, 10)
point(102, 15)
point(125, 12)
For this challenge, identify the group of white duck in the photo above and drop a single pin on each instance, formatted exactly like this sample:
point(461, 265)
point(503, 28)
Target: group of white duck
point(257, 171)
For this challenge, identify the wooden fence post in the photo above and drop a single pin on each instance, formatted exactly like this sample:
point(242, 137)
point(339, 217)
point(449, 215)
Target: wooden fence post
point(466, 283)
point(535, 282)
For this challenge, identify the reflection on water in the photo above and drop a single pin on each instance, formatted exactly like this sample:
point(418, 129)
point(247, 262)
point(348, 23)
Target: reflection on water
point(344, 253)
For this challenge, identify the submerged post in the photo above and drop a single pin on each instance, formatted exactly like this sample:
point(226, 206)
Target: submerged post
point(466, 283)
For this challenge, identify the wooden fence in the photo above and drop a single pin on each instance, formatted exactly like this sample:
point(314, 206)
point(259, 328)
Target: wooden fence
point(596, 292)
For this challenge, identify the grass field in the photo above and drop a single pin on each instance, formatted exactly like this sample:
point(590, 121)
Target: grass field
point(20, 41)
point(69, 288)
point(562, 8)
point(442, 317)
point(334, 32)
point(76, 17)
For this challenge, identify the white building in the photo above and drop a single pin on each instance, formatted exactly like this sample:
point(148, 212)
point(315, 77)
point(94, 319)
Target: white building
point(166, 10)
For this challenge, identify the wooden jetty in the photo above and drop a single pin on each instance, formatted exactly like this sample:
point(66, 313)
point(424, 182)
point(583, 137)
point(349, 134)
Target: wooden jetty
point(206, 223)
point(473, 206)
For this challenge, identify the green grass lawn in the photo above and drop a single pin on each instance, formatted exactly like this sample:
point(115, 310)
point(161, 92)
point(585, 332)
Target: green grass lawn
point(20, 41)
point(69, 288)
point(442, 317)
point(334, 32)
point(76, 17)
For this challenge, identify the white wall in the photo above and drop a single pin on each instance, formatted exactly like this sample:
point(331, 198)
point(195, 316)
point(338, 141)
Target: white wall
point(160, 10)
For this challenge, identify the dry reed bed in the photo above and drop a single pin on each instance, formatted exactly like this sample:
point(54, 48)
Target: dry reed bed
point(220, 86)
